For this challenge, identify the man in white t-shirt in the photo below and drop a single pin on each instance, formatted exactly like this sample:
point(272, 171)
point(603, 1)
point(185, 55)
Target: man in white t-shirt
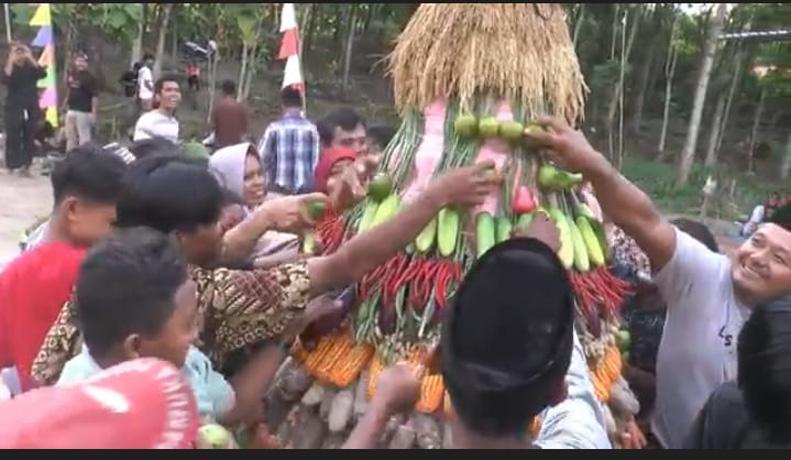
point(161, 122)
point(145, 83)
point(709, 296)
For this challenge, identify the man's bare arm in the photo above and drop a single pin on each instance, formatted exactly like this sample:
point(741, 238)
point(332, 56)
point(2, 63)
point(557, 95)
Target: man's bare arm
point(370, 249)
point(621, 201)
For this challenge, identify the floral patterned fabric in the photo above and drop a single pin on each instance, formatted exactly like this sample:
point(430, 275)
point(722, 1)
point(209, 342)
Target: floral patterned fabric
point(238, 309)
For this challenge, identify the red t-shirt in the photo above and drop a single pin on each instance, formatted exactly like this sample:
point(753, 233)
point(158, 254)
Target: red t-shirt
point(33, 289)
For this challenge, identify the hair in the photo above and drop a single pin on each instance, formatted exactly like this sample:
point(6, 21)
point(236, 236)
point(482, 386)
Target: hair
point(89, 173)
point(170, 193)
point(782, 217)
point(507, 344)
point(291, 98)
point(344, 118)
point(231, 198)
point(764, 355)
point(698, 231)
point(228, 87)
point(156, 146)
point(126, 286)
point(160, 83)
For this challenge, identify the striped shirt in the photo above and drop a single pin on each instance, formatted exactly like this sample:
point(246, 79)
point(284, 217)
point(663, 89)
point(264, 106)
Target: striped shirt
point(289, 152)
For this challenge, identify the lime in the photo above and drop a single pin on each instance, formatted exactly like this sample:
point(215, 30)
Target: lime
point(316, 209)
point(489, 127)
point(381, 187)
point(466, 126)
point(512, 131)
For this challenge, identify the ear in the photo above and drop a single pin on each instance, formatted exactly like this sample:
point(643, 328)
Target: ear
point(559, 393)
point(132, 347)
point(69, 208)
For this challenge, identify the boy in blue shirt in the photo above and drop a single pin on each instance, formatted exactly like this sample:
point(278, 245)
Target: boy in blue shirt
point(134, 299)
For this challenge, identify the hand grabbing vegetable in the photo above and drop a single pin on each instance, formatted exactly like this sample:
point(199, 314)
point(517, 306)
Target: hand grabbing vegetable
point(397, 389)
point(293, 214)
point(465, 187)
point(568, 147)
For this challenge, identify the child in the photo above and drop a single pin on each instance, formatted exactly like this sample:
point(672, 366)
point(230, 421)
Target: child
point(135, 300)
point(33, 288)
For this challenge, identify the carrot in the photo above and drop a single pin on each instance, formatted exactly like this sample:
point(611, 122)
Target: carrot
point(432, 391)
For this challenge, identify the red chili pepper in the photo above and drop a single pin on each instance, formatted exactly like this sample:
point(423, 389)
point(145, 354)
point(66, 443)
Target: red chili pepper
point(443, 274)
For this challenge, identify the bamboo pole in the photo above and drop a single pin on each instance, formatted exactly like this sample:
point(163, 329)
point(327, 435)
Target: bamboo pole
point(7, 22)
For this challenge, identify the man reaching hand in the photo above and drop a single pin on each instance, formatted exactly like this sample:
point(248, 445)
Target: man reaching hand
point(708, 296)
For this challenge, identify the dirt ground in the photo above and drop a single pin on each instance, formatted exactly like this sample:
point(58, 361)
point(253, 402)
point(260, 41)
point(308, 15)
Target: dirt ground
point(23, 201)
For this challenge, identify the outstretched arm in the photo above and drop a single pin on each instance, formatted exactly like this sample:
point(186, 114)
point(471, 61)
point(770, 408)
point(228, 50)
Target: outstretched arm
point(621, 201)
point(365, 252)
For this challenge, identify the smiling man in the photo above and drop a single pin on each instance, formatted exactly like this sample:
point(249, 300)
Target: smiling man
point(709, 296)
point(161, 122)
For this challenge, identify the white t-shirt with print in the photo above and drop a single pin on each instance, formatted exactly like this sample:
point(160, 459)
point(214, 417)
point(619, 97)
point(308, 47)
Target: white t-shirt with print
point(156, 124)
point(145, 78)
point(698, 348)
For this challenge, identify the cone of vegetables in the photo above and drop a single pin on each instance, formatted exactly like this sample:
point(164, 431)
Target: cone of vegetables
point(469, 80)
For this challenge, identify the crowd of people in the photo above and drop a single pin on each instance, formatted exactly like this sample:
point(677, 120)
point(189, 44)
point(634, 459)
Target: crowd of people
point(161, 276)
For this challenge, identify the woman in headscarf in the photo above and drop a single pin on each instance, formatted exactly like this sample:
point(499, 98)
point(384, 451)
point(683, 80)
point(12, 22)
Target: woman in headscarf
point(343, 177)
point(239, 169)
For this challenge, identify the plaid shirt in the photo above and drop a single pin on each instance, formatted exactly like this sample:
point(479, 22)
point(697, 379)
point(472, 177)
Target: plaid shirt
point(289, 151)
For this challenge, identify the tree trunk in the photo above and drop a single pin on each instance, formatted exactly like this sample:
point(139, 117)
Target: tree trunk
point(311, 26)
point(137, 46)
point(670, 72)
point(242, 72)
point(174, 50)
point(754, 135)
point(163, 29)
point(785, 171)
point(213, 60)
point(347, 59)
point(253, 60)
point(709, 52)
point(578, 25)
point(714, 133)
point(736, 79)
point(626, 49)
point(644, 74)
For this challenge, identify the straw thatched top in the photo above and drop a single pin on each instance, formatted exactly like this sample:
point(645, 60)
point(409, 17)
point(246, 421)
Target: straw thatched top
point(520, 51)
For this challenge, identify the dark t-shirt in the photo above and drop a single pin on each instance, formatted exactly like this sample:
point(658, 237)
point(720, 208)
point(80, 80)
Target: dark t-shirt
point(230, 122)
point(724, 423)
point(82, 89)
point(22, 89)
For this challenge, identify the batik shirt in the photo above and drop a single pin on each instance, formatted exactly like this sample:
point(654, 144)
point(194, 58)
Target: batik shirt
point(238, 309)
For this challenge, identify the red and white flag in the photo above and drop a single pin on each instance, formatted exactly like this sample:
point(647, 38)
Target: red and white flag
point(289, 48)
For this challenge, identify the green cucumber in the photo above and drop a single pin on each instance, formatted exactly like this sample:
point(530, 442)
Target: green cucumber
point(581, 260)
point(595, 253)
point(447, 231)
point(369, 213)
point(484, 232)
point(387, 209)
point(504, 229)
point(425, 241)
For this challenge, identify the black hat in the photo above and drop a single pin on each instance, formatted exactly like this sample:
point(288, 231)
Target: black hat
point(511, 322)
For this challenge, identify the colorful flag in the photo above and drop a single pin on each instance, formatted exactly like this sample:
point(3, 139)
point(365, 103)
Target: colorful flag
point(289, 49)
point(45, 39)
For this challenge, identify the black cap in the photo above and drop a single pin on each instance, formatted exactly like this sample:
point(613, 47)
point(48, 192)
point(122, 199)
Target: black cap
point(512, 320)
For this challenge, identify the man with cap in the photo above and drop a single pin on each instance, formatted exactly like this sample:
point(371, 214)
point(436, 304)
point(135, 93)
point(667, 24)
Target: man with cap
point(709, 296)
point(509, 353)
